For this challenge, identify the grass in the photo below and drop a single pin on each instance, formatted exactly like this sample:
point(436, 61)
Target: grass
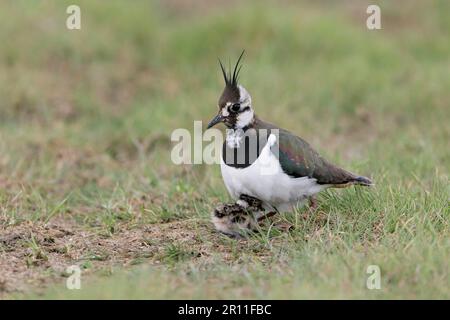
point(85, 170)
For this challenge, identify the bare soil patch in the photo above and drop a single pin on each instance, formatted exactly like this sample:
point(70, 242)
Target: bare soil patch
point(35, 254)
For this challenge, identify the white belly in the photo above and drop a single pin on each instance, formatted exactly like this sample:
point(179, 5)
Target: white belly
point(265, 180)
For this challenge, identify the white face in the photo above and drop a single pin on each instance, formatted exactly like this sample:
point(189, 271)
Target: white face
point(245, 117)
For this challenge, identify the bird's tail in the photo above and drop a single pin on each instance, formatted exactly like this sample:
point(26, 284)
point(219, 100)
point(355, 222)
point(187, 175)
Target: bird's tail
point(363, 181)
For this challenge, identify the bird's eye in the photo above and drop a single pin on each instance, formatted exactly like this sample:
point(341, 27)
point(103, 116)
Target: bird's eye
point(235, 107)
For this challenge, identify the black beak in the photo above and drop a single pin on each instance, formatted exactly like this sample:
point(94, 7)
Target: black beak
point(216, 120)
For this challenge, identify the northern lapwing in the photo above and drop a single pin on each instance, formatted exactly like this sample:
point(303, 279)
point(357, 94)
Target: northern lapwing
point(262, 161)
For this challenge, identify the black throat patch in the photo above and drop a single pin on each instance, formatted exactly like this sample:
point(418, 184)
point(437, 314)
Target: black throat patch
point(242, 148)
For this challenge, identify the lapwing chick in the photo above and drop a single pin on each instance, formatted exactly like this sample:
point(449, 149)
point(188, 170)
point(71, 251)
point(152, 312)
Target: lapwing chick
point(240, 218)
point(263, 161)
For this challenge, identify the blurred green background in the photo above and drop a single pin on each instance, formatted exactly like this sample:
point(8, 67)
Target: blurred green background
point(86, 117)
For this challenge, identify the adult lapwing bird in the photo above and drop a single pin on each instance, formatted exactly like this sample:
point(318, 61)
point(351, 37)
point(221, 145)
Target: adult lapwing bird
point(265, 162)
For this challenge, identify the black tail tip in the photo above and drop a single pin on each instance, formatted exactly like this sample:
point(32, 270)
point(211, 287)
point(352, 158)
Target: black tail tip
point(363, 181)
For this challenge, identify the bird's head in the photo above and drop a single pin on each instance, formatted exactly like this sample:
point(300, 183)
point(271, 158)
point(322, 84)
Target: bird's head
point(235, 103)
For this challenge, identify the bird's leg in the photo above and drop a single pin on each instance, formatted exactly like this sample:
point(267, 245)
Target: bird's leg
point(267, 216)
point(284, 226)
point(313, 203)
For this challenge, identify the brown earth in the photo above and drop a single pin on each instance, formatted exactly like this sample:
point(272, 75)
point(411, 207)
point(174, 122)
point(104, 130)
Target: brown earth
point(35, 254)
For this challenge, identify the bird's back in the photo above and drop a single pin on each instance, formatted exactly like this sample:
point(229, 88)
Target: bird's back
point(298, 159)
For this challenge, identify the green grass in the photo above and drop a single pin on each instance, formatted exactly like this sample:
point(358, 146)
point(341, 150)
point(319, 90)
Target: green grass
point(86, 118)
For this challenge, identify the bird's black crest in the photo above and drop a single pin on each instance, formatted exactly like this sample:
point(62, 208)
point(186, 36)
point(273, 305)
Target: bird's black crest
point(231, 79)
